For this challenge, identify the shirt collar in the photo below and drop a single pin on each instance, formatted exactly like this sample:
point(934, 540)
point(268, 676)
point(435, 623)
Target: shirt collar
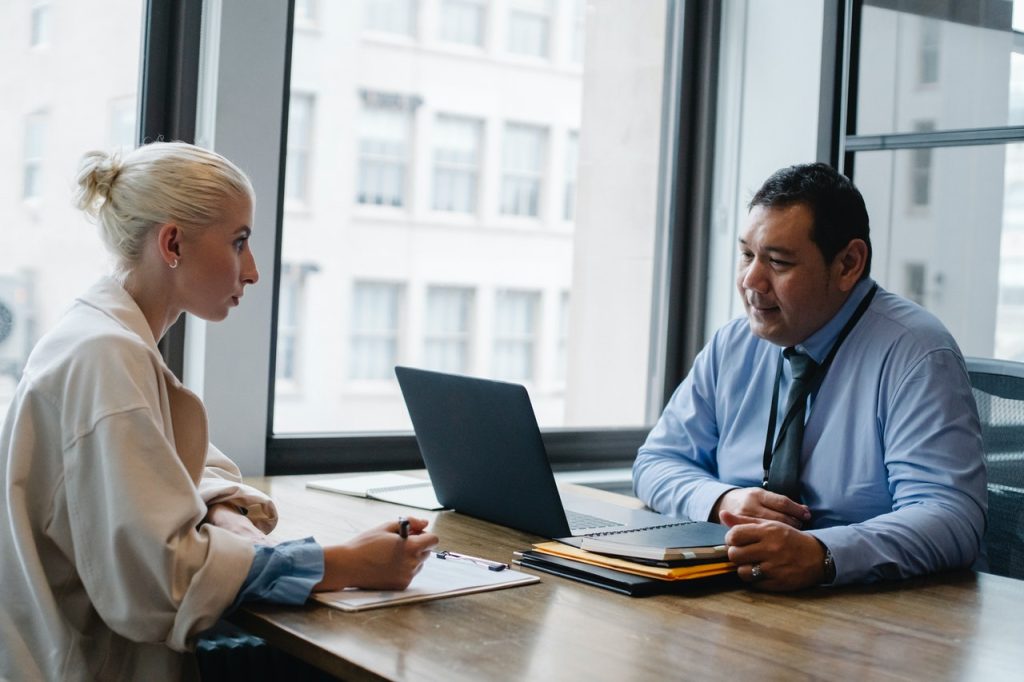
point(818, 344)
point(109, 297)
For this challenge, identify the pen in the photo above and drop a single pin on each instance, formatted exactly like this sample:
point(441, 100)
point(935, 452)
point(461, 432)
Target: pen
point(491, 565)
point(403, 527)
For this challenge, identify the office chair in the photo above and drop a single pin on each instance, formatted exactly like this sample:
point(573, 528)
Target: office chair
point(999, 391)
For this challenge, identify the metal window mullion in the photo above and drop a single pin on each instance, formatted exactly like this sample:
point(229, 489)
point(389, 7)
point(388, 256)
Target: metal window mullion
point(942, 138)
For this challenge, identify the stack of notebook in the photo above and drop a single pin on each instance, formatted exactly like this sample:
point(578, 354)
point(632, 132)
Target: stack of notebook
point(658, 571)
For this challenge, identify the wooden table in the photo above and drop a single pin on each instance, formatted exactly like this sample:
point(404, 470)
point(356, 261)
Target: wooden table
point(956, 626)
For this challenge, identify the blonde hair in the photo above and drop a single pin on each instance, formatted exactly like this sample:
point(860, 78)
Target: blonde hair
point(158, 183)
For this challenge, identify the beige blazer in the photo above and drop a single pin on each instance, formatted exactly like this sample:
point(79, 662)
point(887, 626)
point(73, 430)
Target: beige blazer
point(105, 475)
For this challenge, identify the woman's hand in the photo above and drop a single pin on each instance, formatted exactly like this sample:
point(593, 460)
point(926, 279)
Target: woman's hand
point(227, 516)
point(378, 559)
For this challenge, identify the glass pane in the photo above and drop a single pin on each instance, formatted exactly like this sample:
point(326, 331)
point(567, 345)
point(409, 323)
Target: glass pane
point(443, 232)
point(938, 223)
point(463, 21)
point(63, 92)
point(948, 62)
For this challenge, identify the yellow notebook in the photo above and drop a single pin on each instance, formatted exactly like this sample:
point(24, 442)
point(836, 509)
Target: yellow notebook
point(674, 573)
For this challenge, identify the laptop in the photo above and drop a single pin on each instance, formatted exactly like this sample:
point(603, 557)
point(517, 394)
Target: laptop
point(483, 449)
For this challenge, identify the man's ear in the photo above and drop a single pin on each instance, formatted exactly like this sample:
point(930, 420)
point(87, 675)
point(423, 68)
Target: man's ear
point(169, 243)
point(849, 264)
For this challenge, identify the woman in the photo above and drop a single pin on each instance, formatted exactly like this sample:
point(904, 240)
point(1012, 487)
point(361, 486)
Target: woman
point(125, 533)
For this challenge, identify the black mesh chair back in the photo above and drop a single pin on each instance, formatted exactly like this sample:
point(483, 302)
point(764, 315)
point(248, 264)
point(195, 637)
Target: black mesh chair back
point(999, 391)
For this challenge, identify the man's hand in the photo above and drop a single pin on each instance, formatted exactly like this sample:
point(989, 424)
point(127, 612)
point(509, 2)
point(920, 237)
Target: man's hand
point(772, 555)
point(759, 503)
point(228, 517)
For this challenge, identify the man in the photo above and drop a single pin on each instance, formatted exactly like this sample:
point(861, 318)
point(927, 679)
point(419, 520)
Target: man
point(876, 467)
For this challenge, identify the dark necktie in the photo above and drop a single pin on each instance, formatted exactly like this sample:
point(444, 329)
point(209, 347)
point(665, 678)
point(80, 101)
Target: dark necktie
point(784, 473)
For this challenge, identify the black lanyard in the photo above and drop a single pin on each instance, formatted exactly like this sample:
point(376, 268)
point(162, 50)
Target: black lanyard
point(815, 380)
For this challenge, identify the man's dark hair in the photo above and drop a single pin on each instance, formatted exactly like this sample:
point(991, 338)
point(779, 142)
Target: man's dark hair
point(837, 206)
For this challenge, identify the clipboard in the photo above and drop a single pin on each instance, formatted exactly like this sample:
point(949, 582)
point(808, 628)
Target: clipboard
point(438, 579)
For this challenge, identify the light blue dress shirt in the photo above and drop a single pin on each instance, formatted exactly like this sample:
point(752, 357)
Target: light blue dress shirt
point(892, 462)
point(284, 573)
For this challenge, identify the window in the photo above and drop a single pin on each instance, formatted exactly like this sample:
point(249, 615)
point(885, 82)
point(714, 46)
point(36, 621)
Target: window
point(123, 134)
point(391, 16)
point(35, 149)
point(928, 69)
point(945, 148)
point(449, 318)
point(445, 215)
point(572, 146)
point(921, 169)
point(523, 160)
point(456, 163)
point(376, 315)
point(62, 94)
point(515, 335)
point(300, 132)
point(463, 22)
point(579, 19)
point(529, 27)
point(39, 32)
point(289, 323)
point(306, 13)
point(384, 147)
point(562, 353)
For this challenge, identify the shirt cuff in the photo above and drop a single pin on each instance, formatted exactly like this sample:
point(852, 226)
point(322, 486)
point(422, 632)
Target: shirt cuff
point(283, 574)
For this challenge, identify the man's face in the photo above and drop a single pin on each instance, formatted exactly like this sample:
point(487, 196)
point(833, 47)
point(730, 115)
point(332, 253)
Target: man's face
point(788, 290)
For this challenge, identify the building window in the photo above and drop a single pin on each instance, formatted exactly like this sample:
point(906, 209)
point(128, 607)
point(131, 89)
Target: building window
point(928, 58)
point(376, 316)
point(515, 332)
point(562, 351)
point(306, 13)
point(391, 16)
point(572, 160)
point(39, 25)
point(523, 169)
point(35, 140)
point(123, 135)
point(385, 143)
point(463, 22)
point(579, 23)
point(289, 321)
point(446, 342)
point(300, 134)
point(921, 169)
point(456, 163)
point(529, 28)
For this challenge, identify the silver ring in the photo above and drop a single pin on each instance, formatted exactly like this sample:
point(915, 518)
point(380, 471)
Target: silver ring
point(755, 572)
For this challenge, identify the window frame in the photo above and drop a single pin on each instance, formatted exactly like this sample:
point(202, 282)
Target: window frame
point(688, 108)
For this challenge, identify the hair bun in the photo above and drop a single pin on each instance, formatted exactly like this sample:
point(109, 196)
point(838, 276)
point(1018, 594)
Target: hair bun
point(96, 175)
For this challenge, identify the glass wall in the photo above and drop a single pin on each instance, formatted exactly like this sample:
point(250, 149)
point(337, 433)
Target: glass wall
point(941, 85)
point(67, 85)
point(471, 187)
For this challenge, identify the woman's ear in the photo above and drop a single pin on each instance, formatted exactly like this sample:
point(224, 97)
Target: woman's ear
point(169, 244)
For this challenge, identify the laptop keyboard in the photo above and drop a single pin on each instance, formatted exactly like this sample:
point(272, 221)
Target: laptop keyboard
point(578, 521)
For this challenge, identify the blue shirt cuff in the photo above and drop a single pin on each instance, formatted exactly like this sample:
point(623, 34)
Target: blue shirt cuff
point(283, 574)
